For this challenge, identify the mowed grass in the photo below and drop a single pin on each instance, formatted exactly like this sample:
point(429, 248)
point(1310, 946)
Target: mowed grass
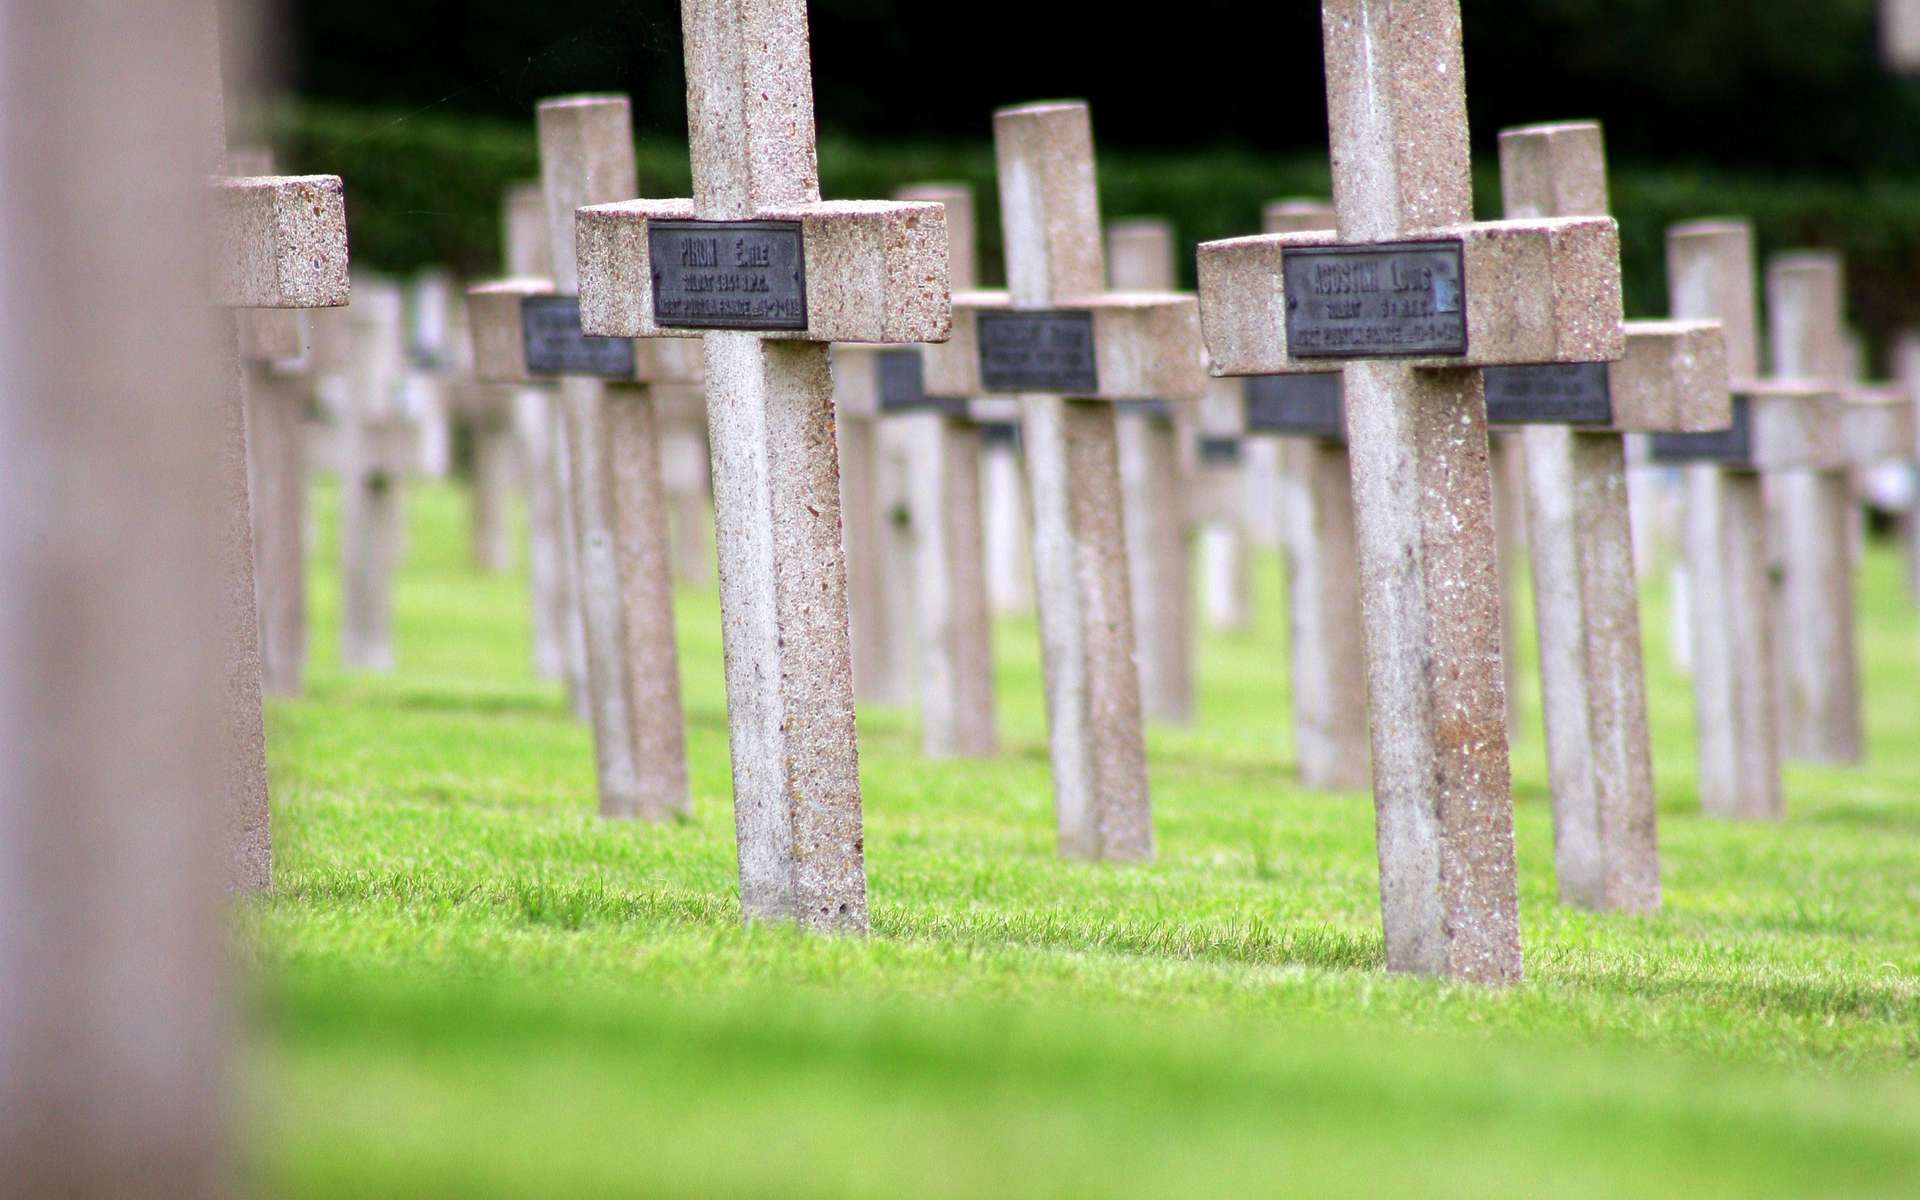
point(467, 984)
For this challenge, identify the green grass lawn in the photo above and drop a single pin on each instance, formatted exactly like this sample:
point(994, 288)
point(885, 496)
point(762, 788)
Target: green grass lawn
point(466, 984)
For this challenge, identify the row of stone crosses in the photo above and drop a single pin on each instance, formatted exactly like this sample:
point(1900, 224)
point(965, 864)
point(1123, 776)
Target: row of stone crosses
point(837, 359)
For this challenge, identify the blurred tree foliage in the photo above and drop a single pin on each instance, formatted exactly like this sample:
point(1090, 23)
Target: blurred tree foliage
point(1782, 84)
point(425, 187)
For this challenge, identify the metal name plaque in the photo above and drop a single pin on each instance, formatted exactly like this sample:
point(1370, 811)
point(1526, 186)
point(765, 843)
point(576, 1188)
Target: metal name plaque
point(1158, 410)
point(1220, 451)
point(1393, 300)
point(1038, 352)
point(1297, 406)
point(1732, 445)
point(728, 274)
point(1550, 394)
point(903, 385)
point(550, 332)
point(999, 433)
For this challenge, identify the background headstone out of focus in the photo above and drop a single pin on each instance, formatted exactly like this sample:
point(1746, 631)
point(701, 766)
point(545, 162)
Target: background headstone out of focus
point(1776, 108)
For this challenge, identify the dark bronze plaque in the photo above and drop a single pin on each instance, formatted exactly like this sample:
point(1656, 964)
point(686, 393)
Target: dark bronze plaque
point(1297, 406)
point(999, 433)
point(1385, 301)
point(1220, 451)
point(1732, 445)
point(728, 274)
point(1550, 394)
point(1038, 352)
point(1159, 410)
point(903, 386)
point(550, 329)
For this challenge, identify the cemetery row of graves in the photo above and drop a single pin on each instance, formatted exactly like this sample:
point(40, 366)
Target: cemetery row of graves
point(1415, 398)
point(1437, 423)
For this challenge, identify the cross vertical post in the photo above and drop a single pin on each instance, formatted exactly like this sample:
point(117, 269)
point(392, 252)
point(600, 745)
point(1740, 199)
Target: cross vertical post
point(376, 455)
point(115, 1031)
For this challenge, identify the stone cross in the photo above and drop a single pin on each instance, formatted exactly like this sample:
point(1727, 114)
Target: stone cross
point(526, 328)
point(1573, 422)
point(433, 367)
point(559, 638)
point(1140, 257)
point(944, 572)
point(767, 275)
point(275, 360)
point(379, 448)
point(1069, 348)
point(1811, 508)
point(280, 242)
point(1416, 300)
point(443, 370)
point(1214, 467)
point(1326, 656)
point(1710, 276)
point(1880, 426)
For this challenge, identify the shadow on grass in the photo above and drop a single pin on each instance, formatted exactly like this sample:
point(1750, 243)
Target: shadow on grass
point(1254, 942)
point(1895, 1000)
point(1865, 816)
point(587, 903)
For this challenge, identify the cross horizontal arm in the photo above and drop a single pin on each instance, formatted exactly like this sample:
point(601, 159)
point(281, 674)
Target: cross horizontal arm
point(280, 241)
point(1879, 425)
point(499, 338)
point(1673, 378)
point(1536, 291)
point(1797, 426)
point(1146, 345)
point(876, 271)
point(496, 311)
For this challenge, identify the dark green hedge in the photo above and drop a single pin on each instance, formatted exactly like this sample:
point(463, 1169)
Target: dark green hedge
point(424, 187)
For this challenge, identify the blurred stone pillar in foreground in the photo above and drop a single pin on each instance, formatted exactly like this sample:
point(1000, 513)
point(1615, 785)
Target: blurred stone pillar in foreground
point(113, 1018)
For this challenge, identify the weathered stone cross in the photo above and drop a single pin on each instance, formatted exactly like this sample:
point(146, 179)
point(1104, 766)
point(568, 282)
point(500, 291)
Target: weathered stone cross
point(1812, 508)
point(941, 443)
point(281, 242)
point(1067, 347)
point(379, 449)
point(276, 363)
point(1573, 419)
point(1326, 656)
point(526, 329)
point(1775, 425)
point(1420, 297)
point(1141, 257)
point(559, 642)
point(767, 274)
